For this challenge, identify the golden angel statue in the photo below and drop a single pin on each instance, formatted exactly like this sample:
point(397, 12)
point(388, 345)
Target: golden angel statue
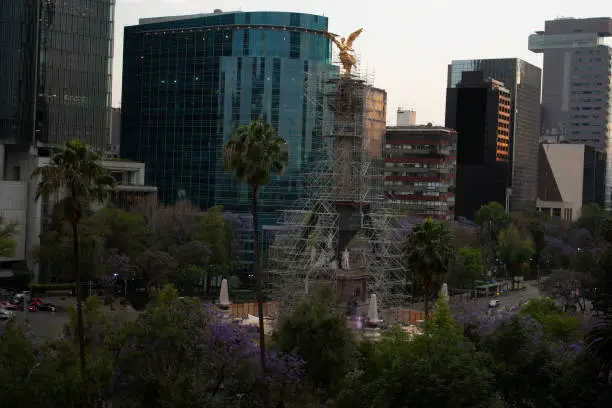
point(347, 57)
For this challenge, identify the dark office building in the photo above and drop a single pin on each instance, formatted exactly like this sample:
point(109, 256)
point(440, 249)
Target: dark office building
point(55, 58)
point(523, 81)
point(479, 109)
point(189, 81)
point(115, 128)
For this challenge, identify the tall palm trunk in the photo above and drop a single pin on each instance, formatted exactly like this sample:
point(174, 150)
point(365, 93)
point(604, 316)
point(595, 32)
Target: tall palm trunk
point(426, 300)
point(79, 298)
point(257, 271)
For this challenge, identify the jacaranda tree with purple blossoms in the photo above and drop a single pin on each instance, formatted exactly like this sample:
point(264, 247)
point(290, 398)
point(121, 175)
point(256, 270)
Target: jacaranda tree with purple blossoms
point(180, 353)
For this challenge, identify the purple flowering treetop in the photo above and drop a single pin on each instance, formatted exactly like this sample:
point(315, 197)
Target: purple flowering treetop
point(158, 266)
point(180, 351)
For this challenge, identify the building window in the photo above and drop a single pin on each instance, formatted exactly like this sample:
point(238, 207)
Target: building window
point(556, 212)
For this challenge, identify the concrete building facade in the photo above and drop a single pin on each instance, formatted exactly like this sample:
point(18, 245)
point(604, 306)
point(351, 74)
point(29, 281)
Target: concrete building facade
point(406, 117)
point(570, 176)
point(577, 83)
point(18, 200)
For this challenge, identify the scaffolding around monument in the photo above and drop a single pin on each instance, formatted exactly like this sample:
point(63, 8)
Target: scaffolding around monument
point(343, 233)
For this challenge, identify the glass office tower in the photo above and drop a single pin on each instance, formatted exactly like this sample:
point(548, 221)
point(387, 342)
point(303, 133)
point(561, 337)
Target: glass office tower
point(55, 59)
point(189, 81)
point(523, 81)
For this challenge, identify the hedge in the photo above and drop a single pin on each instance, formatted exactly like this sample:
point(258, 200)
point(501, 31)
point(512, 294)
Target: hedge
point(44, 288)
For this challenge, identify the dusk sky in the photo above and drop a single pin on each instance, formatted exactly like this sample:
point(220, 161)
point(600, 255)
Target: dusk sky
point(406, 44)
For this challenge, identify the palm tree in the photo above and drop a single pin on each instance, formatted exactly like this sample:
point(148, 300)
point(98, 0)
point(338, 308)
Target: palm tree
point(7, 243)
point(75, 170)
point(428, 252)
point(254, 151)
point(599, 345)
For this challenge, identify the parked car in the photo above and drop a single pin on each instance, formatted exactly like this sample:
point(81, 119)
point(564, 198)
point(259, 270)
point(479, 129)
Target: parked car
point(494, 303)
point(23, 295)
point(5, 314)
point(12, 305)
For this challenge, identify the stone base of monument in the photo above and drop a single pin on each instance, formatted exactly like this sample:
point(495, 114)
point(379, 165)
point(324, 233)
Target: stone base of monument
point(224, 310)
point(372, 333)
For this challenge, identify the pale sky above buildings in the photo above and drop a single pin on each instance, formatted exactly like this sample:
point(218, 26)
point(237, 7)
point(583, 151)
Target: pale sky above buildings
point(406, 44)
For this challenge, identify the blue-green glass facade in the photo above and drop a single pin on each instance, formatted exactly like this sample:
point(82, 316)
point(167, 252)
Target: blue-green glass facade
point(189, 81)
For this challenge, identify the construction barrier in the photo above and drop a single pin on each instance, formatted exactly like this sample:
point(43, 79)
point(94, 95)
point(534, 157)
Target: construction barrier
point(242, 310)
point(408, 316)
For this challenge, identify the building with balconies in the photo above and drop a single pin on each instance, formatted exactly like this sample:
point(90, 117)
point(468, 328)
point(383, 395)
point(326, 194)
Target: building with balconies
point(420, 165)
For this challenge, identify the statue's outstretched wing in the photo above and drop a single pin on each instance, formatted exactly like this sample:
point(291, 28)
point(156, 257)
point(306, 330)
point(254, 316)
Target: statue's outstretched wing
point(353, 36)
point(331, 37)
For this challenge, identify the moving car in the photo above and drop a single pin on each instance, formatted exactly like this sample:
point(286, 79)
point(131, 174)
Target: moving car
point(494, 303)
point(37, 304)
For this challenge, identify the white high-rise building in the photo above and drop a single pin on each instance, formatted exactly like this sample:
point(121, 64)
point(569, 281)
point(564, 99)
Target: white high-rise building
point(406, 117)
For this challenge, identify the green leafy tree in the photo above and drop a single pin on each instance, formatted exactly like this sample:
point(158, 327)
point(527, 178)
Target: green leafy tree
point(213, 231)
point(76, 170)
point(557, 325)
point(469, 267)
point(515, 252)
point(428, 252)
point(491, 218)
point(437, 369)
point(45, 375)
point(122, 231)
point(493, 215)
point(593, 218)
point(55, 250)
point(321, 337)
point(520, 364)
point(252, 154)
point(7, 243)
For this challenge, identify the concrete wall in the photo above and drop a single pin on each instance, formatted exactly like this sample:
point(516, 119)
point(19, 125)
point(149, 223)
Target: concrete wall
point(561, 179)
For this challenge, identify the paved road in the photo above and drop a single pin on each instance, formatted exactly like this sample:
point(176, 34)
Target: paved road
point(512, 299)
point(517, 298)
point(43, 325)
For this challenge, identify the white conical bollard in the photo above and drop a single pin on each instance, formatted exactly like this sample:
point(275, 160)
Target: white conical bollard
point(224, 294)
point(373, 310)
point(444, 292)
